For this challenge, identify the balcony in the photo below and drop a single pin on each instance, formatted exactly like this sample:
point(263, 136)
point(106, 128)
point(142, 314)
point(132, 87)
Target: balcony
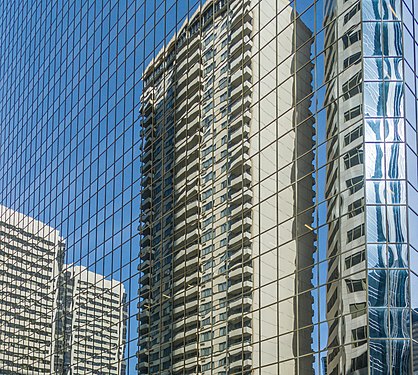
point(239, 273)
point(240, 76)
point(240, 256)
point(186, 349)
point(240, 288)
point(242, 30)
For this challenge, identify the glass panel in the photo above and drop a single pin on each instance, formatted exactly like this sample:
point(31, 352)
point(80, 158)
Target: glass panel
point(399, 323)
point(395, 160)
point(375, 192)
point(374, 160)
point(396, 217)
point(374, 130)
point(371, 10)
point(392, 69)
point(394, 104)
point(376, 256)
point(378, 296)
point(379, 357)
point(398, 256)
point(376, 224)
point(391, 9)
point(372, 45)
point(378, 322)
point(396, 192)
point(395, 130)
point(398, 288)
point(373, 69)
point(401, 357)
point(373, 99)
point(392, 39)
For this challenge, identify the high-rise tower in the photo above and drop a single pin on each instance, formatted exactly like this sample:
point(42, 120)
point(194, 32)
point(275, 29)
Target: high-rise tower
point(30, 261)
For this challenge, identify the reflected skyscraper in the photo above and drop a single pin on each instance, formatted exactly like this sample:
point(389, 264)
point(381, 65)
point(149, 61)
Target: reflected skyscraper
point(55, 318)
point(345, 263)
point(93, 322)
point(210, 210)
point(30, 260)
point(223, 187)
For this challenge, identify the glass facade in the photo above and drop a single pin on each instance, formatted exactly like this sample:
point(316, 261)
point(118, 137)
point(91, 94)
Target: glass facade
point(208, 187)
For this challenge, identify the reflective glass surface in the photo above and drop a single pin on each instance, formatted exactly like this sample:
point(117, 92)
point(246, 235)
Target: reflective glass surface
point(208, 187)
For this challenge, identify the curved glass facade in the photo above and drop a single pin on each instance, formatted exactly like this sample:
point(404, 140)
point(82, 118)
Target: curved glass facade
point(209, 187)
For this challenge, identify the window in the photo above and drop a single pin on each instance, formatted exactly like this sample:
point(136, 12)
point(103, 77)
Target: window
point(223, 97)
point(353, 135)
point(353, 157)
point(355, 233)
point(209, 68)
point(209, 54)
point(207, 221)
point(224, 69)
point(208, 150)
point(222, 287)
point(225, 212)
point(356, 285)
point(351, 37)
point(352, 87)
point(207, 265)
point(206, 194)
point(352, 60)
point(357, 309)
point(353, 11)
point(207, 163)
point(224, 111)
point(206, 351)
point(210, 176)
point(360, 362)
point(359, 333)
point(207, 366)
point(353, 113)
point(208, 108)
point(206, 278)
point(224, 227)
point(208, 235)
point(205, 307)
point(208, 40)
point(222, 331)
point(355, 184)
point(206, 292)
point(223, 242)
point(222, 362)
point(207, 250)
point(356, 208)
point(224, 140)
point(222, 346)
point(225, 167)
point(208, 94)
point(355, 259)
point(207, 206)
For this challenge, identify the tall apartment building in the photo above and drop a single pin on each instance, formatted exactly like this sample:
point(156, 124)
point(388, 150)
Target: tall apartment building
point(30, 259)
point(273, 216)
point(94, 323)
point(210, 209)
point(55, 318)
